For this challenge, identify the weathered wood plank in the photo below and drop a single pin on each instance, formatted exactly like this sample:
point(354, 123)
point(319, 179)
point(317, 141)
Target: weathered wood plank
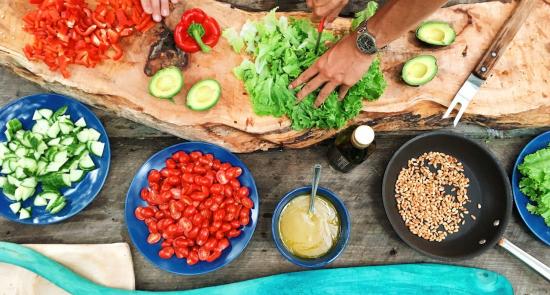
point(372, 242)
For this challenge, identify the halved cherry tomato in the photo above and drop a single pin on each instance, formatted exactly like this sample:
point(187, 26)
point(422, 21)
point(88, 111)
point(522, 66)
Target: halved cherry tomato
point(153, 238)
point(166, 253)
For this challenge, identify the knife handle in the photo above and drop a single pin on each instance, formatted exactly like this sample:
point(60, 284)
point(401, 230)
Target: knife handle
point(503, 38)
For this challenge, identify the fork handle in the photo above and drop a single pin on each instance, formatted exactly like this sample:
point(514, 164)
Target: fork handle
point(503, 38)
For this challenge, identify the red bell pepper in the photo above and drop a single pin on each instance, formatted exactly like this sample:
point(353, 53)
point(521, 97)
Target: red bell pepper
point(196, 31)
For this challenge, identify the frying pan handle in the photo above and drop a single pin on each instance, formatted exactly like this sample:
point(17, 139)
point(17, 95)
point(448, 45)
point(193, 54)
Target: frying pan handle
point(536, 265)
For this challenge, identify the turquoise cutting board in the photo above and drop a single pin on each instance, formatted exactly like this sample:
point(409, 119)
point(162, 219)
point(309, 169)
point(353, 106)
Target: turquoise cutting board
point(389, 279)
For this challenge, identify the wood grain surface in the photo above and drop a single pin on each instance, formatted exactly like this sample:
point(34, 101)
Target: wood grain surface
point(515, 96)
point(372, 242)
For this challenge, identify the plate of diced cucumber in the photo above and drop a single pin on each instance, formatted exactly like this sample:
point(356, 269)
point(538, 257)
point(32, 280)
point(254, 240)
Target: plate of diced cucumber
point(54, 158)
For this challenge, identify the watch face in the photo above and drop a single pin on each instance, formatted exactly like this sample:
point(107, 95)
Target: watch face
point(366, 43)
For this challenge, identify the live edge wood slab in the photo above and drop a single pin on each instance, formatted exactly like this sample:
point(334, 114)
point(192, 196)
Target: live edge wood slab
point(516, 95)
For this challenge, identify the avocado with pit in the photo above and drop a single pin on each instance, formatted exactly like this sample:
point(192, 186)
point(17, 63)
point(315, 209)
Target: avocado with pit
point(419, 70)
point(436, 33)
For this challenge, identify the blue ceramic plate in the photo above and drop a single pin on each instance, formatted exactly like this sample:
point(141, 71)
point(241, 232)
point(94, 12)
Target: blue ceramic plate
point(138, 230)
point(80, 194)
point(534, 222)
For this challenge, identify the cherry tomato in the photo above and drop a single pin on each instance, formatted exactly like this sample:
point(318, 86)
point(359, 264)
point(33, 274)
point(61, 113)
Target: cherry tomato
point(192, 258)
point(147, 212)
point(139, 213)
point(189, 211)
point(243, 192)
point(195, 155)
point(164, 172)
point(166, 253)
point(225, 166)
point(225, 227)
point(197, 219)
point(153, 238)
point(199, 169)
point(198, 196)
point(228, 190)
point(235, 224)
point(192, 234)
point(152, 227)
point(244, 220)
point(222, 177)
point(219, 235)
point(173, 180)
point(247, 202)
point(202, 237)
point(234, 233)
point(186, 224)
point(153, 176)
point(180, 242)
point(213, 256)
point(219, 215)
point(210, 244)
point(222, 244)
point(181, 252)
point(235, 184)
point(171, 164)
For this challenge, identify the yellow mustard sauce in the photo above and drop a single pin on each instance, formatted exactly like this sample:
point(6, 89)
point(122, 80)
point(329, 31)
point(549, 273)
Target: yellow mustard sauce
point(306, 235)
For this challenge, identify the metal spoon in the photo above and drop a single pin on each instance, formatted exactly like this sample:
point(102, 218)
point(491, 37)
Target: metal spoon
point(314, 186)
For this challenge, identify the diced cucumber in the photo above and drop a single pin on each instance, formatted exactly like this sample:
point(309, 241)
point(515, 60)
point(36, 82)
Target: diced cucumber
point(49, 195)
point(58, 207)
point(54, 167)
point(9, 190)
point(12, 146)
point(67, 141)
point(93, 135)
point(20, 173)
point(83, 136)
point(41, 127)
point(21, 151)
point(40, 201)
point(86, 163)
point(28, 163)
point(13, 164)
point(42, 147)
point(96, 147)
point(23, 193)
point(53, 131)
point(65, 127)
point(29, 182)
point(52, 203)
point(41, 167)
point(66, 179)
point(80, 123)
point(76, 175)
point(3, 181)
point(36, 115)
point(4, 149)
point(15, 207)
point(45, 113)
point(80, 150)
point(8, 134)
point(12, 180)
point(6, 169)
point(55, 180)
point(14, 125)
point(60, 111)
point(24, 213)
point(54, 142)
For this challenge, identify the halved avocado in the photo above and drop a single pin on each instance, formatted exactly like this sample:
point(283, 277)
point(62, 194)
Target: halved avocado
point(204, 95)
point(436, 33)
point(419, 70)
point(166, 83)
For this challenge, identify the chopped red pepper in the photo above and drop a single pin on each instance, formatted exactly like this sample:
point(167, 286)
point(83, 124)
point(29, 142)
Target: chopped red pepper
point(196, 31)
point(68, 32)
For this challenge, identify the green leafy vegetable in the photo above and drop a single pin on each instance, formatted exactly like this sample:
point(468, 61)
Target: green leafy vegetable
point(281, 50)
point(535, 182)
point(364, 14)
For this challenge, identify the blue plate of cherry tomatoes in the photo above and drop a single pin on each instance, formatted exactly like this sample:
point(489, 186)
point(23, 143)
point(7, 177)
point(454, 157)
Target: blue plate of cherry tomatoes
point(192, 208)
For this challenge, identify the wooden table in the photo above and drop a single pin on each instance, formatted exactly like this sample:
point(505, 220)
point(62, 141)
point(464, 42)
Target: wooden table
point(372, 241)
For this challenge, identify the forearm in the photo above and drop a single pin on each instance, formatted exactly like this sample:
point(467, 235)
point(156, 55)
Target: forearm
point(396, 17)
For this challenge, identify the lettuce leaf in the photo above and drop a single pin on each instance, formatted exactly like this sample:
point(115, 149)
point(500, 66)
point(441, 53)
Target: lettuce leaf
point(535, 182)
point(364, 14)
point(282, 49)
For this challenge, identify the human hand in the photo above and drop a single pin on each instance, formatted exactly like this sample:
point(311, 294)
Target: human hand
point(158, 8)
point(326, 8)
point(341, 66)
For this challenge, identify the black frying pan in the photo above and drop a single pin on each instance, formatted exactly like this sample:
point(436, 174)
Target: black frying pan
point(489, 186)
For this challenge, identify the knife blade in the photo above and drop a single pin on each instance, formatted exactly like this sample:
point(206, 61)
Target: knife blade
point(481, 72)
point(320, 29)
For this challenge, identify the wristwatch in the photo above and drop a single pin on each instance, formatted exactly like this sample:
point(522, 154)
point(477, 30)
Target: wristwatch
point(366, 43)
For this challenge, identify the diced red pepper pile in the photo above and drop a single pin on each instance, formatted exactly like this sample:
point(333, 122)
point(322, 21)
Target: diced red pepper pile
point(195, 204)
point(69, 32)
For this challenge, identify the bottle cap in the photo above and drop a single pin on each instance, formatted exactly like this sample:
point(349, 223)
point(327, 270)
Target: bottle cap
point(362, 136)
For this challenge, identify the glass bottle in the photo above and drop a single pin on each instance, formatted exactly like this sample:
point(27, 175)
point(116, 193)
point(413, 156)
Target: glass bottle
point(351, 148)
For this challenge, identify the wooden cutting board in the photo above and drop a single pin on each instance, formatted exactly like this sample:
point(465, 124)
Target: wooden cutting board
point(87, 260)
point(517, 95)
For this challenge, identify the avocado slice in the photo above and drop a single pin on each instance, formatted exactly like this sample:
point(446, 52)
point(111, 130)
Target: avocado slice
point(419, 70)
point(436, 33)
point(204, 95)
point(166, 83)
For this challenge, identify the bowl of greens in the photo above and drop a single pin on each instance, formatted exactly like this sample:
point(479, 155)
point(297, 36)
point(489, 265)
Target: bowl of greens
point(531, 186)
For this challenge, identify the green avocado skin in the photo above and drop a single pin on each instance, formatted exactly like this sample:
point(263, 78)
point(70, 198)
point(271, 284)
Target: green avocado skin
point(422, 33)
point(429, 61)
